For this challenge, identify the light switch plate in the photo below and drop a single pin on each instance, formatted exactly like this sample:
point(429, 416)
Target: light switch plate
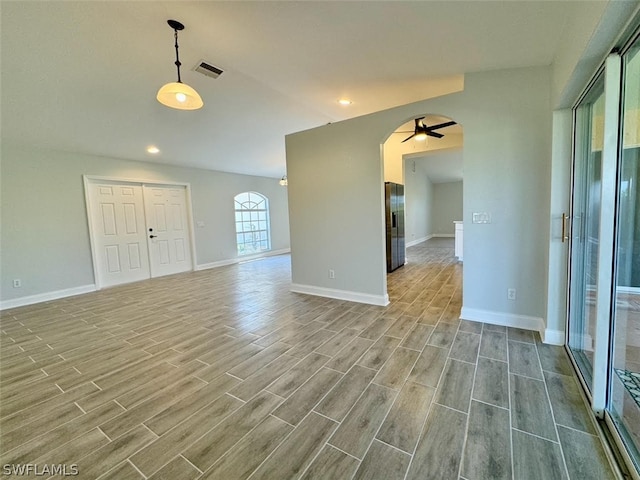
point(481, 217)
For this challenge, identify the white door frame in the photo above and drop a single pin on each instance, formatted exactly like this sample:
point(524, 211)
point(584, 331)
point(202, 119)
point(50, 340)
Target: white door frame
point(87, 179)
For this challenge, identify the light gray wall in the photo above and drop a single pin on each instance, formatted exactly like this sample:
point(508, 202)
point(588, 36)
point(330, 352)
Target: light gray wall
point(418, 200)
point(336, 199)
point(507, 174)
point(560, 203)
point(446, 207)
point(45, 236)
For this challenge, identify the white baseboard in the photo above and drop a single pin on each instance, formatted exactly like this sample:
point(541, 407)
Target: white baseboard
point(69, 292)
point(443, 235)
point(381, 300)
point(553, 337)
point(536, 324)
point(231, 261)
point(420, 240)
point(46, 297)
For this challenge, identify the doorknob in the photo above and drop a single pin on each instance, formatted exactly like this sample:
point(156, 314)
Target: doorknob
point(152, 236)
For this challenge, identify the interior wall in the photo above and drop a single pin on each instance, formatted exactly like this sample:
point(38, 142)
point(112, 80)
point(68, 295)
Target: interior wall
point(559, 204)
point(507, 160)
point(418, 201)
point(336, 199)
point(446, 207)
point(336, 210)
point(45, 236)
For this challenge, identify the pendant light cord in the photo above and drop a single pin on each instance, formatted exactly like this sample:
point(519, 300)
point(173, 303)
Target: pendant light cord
point(177, 62)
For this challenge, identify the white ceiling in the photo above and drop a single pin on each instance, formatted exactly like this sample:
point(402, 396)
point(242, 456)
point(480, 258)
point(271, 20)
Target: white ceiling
point(440, 166)
point(82, 76)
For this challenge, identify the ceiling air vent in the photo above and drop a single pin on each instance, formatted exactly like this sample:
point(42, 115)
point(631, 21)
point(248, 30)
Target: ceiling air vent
point(208, 70)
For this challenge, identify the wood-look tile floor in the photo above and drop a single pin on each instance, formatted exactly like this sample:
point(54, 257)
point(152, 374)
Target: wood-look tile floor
point(225, 374)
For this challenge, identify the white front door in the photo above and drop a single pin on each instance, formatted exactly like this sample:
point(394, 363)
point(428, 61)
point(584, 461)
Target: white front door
point(118, 230)
point(167, 228)
point(138, 231)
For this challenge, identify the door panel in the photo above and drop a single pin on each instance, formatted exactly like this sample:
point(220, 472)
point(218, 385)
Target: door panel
point(118, 229)
point(624, 403)
point(167, 221)
point(588, 144)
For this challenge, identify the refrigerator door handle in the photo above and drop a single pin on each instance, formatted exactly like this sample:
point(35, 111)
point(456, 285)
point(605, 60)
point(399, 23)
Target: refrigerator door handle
point(393, 220)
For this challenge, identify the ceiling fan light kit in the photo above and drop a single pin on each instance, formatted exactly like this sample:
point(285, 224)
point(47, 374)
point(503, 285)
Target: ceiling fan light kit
point(179, 95)
point(420, 136)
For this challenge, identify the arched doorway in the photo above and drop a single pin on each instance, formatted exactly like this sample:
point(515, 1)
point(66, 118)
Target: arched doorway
point(430, 171)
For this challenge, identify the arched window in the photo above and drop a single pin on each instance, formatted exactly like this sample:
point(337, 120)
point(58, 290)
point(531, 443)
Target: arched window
point(253, 232)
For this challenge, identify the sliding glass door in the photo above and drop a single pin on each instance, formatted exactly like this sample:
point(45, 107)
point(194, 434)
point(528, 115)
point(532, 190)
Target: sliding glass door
point(624, 398)
point(588, 142)
point(604, 283)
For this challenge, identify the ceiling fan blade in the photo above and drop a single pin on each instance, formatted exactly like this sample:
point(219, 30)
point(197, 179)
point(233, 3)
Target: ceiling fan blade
point(434, 134)
point(408, 138)
point(441, 125)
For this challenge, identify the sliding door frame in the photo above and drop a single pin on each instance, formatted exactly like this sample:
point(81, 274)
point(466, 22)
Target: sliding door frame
point(599, 392)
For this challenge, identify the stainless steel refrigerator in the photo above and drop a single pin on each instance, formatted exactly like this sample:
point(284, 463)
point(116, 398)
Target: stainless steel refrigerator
point(394, 214)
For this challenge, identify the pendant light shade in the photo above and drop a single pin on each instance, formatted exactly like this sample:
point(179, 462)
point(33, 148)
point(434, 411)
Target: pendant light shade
point(177, 94)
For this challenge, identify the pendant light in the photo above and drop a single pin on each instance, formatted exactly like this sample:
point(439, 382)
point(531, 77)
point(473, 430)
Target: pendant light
point(283, 181)
point(177, 94)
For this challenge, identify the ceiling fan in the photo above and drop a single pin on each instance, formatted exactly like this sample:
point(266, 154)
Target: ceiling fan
point(421, 131)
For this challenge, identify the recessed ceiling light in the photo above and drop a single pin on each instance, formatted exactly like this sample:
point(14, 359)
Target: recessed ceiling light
point(345, 101)
point(153, 149)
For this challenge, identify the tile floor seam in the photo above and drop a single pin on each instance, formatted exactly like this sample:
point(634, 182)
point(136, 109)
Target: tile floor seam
point(512, 456)
point(389, 445)
point(494, 359)
point(528, 377)
point(384, 417)
point(489, 404)
point(128, 460)
point(103, 433)
point(553, 415)
point(451, 408)
point(577, 430)
point(270, 453)
point(555, 442)
point(468, 419)
point(340, 450)
point(81, 409)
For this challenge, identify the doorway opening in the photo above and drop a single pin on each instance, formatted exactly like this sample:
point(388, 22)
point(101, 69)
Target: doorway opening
point(430, 171)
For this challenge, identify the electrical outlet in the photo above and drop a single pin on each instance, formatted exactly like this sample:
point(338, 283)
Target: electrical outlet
point(332, 274)
point(511, 293)
point(17, 283)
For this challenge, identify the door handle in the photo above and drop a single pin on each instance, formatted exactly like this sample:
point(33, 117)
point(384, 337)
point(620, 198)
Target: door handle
point(565, 237)
point(152, 236)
